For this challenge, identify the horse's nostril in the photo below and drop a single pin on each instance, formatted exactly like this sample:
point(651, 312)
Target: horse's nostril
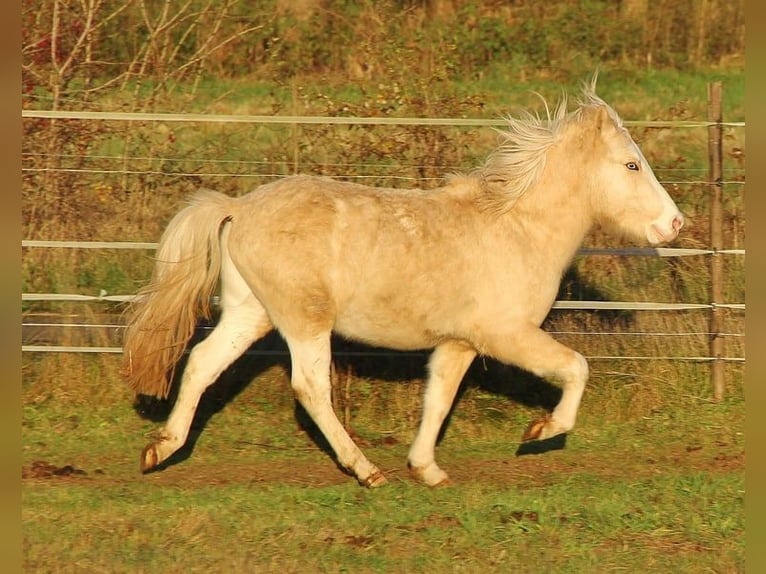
point(678, 222)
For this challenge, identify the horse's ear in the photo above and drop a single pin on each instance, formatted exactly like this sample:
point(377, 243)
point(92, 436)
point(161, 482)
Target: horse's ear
point(603, 119)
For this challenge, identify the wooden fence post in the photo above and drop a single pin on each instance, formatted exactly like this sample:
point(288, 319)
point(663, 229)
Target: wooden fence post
point(715, 156)
point(294, 129)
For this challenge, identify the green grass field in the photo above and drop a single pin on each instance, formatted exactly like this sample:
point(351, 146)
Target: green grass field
point(650, 480)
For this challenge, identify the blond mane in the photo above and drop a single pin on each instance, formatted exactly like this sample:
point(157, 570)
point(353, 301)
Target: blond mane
point(518, 162)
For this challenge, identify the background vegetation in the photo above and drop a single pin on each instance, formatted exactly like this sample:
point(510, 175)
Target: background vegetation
point(652, 478)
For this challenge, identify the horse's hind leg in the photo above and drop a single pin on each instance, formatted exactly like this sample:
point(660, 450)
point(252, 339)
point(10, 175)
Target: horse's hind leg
point(311, 384)
point(237, 329)
point(447, 366)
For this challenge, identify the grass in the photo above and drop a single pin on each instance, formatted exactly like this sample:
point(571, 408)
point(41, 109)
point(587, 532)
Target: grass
point(652, 479)
point(637, 94)
point(342, 528)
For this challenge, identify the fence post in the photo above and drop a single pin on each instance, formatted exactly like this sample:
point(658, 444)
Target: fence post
point(294, 128)
point(715, 156)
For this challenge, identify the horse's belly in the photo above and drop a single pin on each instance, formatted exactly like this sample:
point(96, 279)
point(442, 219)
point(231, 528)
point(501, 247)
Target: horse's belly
point(393, 330)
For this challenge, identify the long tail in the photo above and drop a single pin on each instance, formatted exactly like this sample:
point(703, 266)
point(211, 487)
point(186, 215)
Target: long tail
point(163, 317)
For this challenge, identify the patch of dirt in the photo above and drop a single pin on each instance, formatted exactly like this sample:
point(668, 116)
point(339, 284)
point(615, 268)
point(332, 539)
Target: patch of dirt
point(42, 469)
point(314, 468)
point(436, 521)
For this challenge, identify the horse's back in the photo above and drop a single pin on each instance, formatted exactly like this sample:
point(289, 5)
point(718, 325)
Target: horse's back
point(367, 262)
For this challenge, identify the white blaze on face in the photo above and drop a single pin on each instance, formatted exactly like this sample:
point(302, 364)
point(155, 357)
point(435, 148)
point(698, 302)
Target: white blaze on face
point(630, 198)
point(668, 223)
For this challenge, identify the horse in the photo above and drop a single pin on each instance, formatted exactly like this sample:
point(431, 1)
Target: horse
point(470, 268)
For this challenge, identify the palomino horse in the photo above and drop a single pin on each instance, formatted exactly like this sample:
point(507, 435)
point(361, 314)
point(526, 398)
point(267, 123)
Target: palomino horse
point(470, 268)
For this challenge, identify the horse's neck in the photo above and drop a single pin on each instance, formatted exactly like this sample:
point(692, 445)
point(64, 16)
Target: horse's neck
point(555, 219)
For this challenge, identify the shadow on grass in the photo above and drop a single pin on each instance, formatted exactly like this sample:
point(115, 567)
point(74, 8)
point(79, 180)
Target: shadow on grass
point(383, 365)
point(223, 391)
point(360, 361)
point(558, 442)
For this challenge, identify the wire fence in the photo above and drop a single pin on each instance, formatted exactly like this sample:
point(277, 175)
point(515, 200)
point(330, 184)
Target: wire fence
point(244, 168)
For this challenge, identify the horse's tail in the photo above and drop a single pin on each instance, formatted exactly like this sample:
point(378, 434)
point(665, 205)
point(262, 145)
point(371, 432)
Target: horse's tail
point(165, 312)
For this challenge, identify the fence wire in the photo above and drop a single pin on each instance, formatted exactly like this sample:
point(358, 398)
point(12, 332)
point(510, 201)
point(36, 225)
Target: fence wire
point(105, 297)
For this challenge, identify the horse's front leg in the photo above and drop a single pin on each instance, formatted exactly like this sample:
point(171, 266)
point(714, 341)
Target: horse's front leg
point(537, 352)
point(447, 366)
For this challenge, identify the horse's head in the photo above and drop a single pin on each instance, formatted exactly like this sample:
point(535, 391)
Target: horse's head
point(625, 192)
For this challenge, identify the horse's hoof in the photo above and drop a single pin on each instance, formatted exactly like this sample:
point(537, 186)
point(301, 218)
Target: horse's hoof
point(535, 429)
point(431, 475)
point(375, 480)
point(446, 481)
point(149, 458)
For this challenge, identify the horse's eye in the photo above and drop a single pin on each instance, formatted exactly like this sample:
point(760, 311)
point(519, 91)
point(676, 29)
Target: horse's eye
point(632, 165)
